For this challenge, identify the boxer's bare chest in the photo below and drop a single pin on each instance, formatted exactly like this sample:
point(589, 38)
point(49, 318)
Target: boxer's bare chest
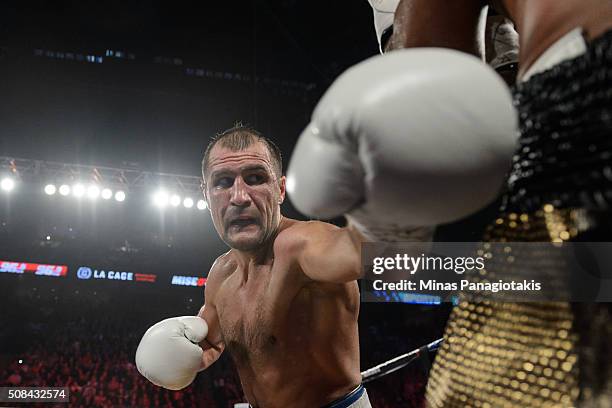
point(250, 313)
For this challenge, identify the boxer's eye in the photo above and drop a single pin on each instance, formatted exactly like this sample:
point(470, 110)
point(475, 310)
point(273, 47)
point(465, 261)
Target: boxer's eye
point(254, 179)
point(224, 182)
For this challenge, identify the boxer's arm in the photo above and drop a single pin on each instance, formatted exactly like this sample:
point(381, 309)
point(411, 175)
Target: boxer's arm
point(213, 344)
point(438, 23)
point(324, 252)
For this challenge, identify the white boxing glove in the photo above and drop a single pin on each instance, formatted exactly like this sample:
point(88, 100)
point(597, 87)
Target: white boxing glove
point(169, 355)
point(417, 137)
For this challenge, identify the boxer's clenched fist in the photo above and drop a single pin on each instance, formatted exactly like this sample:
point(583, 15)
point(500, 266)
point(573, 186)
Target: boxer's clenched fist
point(169, 355)
point(417, 137)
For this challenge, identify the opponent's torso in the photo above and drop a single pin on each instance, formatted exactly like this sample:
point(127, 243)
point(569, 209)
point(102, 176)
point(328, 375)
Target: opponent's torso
point(291, 340)
point(559, 189)
point(542, 22)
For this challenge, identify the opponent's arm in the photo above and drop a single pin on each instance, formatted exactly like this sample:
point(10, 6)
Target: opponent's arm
point(451, 24)
point(439, 23)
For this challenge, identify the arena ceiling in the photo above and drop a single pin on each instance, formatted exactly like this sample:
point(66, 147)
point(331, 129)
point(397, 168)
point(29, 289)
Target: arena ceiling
point(144, 85)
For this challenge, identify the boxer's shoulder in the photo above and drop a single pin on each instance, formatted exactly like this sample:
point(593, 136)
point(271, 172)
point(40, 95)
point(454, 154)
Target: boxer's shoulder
point(303, 236)
point(220, 270)
point(224, 264)
point(301, 233)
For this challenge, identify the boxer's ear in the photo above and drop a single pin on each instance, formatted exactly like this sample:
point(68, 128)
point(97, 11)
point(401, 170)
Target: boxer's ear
point(203, 189)
point(283, 189)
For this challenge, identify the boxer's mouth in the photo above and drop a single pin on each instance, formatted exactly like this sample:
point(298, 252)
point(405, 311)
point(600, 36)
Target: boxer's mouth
point(243, 221)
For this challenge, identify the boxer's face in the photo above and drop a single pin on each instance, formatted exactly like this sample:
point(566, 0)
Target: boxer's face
point(244, 195)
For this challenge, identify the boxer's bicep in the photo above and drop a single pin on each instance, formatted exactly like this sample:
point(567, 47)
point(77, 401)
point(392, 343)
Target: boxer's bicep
point(329, 254)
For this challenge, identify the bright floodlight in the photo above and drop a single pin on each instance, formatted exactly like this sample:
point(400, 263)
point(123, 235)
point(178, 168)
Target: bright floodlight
point(188, 202)
point(175, 200)
point(93, 191)
point(7, 184)
point(107, 193)
point(160, 198)
point(64, 189)
point(201, 205)
point(78, 190)
point(50, 189)
point(120, 196)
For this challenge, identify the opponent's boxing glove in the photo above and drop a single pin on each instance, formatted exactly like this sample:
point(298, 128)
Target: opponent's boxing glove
point(417, 137)
point(169, 355)
point(501, 41)
point(384, 14)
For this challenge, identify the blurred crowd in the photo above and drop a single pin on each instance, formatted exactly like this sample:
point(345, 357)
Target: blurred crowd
point(86, 342)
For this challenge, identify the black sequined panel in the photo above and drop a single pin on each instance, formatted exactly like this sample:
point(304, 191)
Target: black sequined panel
point(565, 150)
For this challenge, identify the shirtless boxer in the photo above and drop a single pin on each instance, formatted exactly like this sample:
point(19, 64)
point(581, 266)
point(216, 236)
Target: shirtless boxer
point(559, 170)
point(284, 300)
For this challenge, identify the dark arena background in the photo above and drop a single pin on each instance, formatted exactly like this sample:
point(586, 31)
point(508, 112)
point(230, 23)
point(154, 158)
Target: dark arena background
point(106, 108)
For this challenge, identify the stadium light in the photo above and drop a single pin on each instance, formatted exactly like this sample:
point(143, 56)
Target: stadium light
point(107, 193)
point(7, 184)
point(120, 196)
point(188, 202)
point(175, 200)
point(202, 205)
point(93, 191)
point(64, 189)
point(78, 190)
point(160, 198)
point(50, 189)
